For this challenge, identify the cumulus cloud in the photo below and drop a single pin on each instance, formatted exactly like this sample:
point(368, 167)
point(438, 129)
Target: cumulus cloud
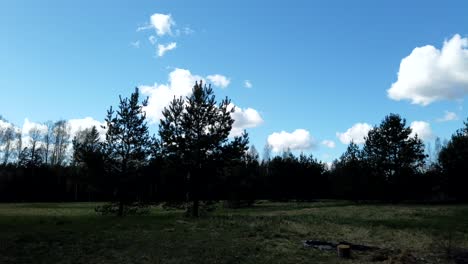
point(162, 49)
point(77, 125)
point(28, 126)
point(300, 139)
point(5, 125)
point(429, 74)
point(329, 143)
point(356, 133)
point(218, 80)
point(243, 119)
point(180, 83)
point(162, 23)
point(449, 116)
point(247, 84)
point(422, 129)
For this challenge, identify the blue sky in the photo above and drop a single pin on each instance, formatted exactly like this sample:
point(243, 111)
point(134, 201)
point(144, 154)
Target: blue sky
point(318, 67)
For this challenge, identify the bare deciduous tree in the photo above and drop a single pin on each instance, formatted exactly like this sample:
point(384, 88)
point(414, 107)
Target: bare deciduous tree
point(61, 135)
point(48, 140)
point(7, 138)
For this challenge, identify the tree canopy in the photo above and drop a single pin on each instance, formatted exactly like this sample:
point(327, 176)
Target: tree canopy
point(453, 159)
point(127, 146)
point(391, 148)
point(393, 153)
point(195, 132)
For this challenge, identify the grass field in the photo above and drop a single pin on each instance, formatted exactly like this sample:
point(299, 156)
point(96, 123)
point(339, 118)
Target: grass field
point(265, 233)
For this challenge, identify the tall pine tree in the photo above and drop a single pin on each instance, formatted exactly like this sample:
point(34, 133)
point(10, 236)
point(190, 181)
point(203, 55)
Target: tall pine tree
point(127, 146)
point(394, 154)
point(453, 159)
point(195, 131)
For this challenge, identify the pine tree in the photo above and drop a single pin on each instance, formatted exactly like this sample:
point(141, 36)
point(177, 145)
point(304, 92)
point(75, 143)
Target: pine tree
point(195, 132)
point(453, 159)
point(88, 158)
point(393, 153)
point(127, 146)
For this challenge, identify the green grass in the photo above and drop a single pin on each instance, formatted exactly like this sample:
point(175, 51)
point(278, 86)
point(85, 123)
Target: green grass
point(265, 233)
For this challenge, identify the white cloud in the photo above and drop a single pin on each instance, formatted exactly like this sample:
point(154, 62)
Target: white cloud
point(356, 133)
point(135, 44)
point(243, 119)
point(429, 74)
point(162, 49)
point(152, 39)
point(184, 31)
point(422, 129)
point(329, 143)
point(218, 80)
point(162, 23)
point(247, 84)
point(300, 139)
point(28, 126)
point(5, 125)
point(180, 83)
point(144, 28)
point(449, 116)
point(188, 31)
point(77, 125)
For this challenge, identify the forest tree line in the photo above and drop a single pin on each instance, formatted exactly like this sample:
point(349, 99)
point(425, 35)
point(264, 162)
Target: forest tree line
point(193, 158)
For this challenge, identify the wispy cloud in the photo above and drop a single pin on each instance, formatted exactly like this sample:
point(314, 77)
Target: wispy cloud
point(162, 49)
point(152, 39)
point(247, 84)
point(135, 44)
point(449, 116)
point(329, 143)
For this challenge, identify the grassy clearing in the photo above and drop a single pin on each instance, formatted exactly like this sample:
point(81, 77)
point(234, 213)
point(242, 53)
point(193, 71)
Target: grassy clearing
point(265, 233)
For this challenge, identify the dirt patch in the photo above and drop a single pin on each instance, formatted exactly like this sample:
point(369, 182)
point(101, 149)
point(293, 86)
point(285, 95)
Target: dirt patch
point(373, 254)
point(324, 245)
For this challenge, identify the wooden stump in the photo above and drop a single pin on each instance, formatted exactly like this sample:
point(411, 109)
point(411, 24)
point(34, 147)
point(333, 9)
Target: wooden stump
point(344, 251)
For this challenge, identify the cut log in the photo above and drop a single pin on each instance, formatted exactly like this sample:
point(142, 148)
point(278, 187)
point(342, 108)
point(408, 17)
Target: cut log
point(344, 251)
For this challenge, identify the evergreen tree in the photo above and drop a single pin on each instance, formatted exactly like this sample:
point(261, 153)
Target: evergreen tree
point(127, 146)
point(453, 159)
point(393, 154)
point(88, 158)
point(195, 132)
point(85, 143)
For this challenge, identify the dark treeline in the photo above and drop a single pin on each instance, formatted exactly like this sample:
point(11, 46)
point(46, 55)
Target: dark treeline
point(193, 160)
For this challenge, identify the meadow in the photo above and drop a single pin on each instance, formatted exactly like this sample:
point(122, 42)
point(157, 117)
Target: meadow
point(264, 233)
